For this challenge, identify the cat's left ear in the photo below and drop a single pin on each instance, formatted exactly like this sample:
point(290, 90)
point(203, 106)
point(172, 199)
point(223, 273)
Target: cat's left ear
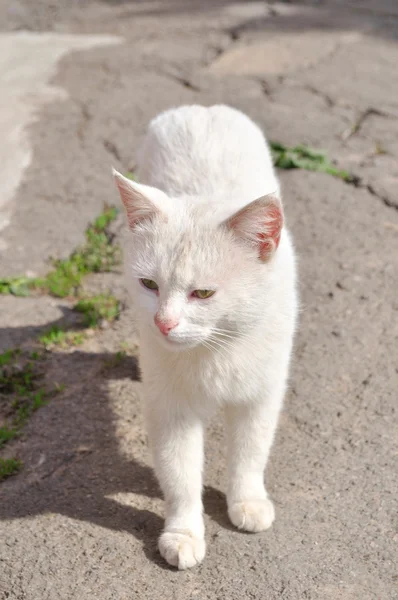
point(259, 223)
point(141, 202)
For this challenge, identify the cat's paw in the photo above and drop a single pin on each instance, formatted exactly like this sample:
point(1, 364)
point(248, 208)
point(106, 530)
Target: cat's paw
point(252, 515)
point(182, 549)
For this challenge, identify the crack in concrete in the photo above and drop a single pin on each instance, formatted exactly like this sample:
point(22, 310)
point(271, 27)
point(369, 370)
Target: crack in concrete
point(359, 183)
point(266, 88)
point(356, 127)
point(85, 118)
point(386, 201)
point(329, 101)
point(112, 149)
point(183, 80)
point(235, 33)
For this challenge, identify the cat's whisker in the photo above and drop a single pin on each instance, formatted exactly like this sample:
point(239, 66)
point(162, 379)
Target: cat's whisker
point(212, 347)
point(210, 343)
point(227, 334)
point(221, 345)
point(223, 334)
point(223, 340)
point(207, 345)
point(222, 330)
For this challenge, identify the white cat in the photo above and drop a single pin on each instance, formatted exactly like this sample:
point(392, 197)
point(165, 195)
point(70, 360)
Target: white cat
point(212, 273)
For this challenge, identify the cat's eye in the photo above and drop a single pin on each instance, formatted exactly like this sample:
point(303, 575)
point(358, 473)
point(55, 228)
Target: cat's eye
point(150, 284)
point(203, 294)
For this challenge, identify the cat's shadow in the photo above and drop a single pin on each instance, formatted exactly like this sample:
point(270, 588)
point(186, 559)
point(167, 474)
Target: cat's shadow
point(73, 460)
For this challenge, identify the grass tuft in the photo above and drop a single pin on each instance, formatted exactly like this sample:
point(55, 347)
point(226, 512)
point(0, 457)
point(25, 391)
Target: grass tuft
point(8, 467)
point(98, 254)
point(7, 434)
point(94, 311)
point(303, 157)
point(98, 308)
point(19, 286)
point(115, 360)
point(7, 357)
point(56, 336)
point(21, 391)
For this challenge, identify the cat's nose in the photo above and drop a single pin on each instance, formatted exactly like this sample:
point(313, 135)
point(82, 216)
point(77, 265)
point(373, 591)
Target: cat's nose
point(165, 325)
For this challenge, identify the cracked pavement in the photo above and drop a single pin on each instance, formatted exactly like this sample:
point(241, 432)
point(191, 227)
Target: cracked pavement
point(82, 518)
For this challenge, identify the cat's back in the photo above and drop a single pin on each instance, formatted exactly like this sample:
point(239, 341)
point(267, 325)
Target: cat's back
point(198, 150)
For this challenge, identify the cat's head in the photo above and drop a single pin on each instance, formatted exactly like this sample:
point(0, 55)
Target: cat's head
point(195, 280)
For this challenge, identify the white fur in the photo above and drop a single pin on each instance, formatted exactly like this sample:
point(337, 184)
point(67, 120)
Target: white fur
point(208, 163)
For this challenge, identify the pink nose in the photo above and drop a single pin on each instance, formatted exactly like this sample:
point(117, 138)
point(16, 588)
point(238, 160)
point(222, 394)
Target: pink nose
point(165, 326)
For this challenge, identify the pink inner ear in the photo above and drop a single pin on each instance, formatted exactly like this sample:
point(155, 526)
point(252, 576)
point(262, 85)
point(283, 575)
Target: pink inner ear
point(260, 223)
point(270, 241)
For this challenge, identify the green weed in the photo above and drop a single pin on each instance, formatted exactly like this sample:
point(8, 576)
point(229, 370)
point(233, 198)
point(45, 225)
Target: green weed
point(21, 392)
point(115, 360)
point(19, 286)
point(56, 336)
point(8, 467)
point(94, 310)
point(302, 157)
point(97, 309)
point(53, 336)
point(98, 254)
point(7, 356)
point(7, 434)
point(16, 378)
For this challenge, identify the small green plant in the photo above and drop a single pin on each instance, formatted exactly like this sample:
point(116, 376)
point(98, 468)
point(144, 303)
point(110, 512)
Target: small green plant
point(7, 356)
point(97, 309)
point(115, 360)
point(21, 391)
point(302, 157)
point(98, 254)
point(7, 434)
point(53, 336)
point(8, 467)
point(19, 286)
point(16, 378)
point(94, 310)
point(56, 336)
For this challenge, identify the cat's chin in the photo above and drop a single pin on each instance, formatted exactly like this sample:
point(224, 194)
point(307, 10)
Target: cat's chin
point(176, 345)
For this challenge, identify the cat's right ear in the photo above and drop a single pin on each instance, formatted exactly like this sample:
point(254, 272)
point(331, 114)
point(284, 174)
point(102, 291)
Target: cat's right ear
point(141, 202)
point(259, 224)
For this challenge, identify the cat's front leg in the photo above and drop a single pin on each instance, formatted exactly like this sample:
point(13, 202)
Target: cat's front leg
point(250, 431)
point(176, 438)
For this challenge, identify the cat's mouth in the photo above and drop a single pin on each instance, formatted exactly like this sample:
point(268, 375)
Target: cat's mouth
point(178, 343)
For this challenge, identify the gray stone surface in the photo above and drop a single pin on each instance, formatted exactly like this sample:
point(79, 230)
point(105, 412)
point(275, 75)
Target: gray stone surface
point(81, 520)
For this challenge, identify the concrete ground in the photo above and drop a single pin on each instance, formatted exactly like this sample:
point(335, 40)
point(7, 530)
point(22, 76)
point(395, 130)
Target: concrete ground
point(82, 518)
